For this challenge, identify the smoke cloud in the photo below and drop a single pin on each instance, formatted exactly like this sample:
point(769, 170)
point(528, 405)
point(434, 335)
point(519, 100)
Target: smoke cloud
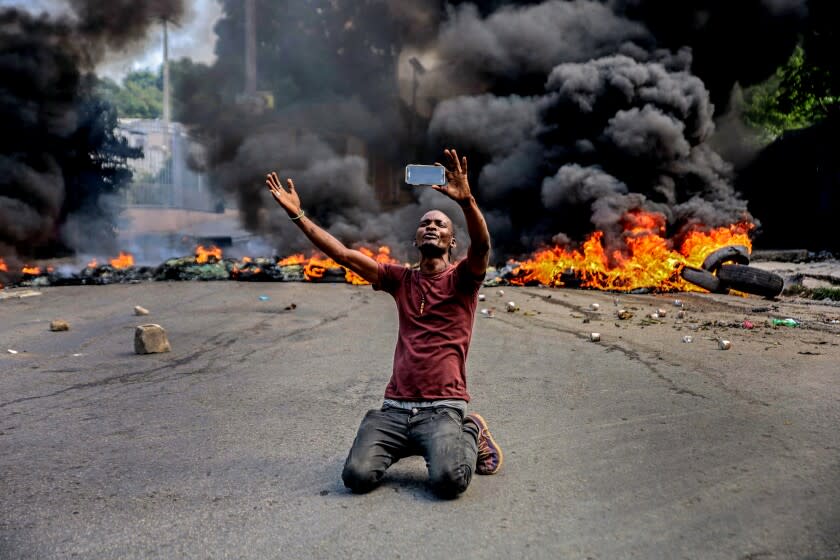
point(59, 159)
point(572, 113)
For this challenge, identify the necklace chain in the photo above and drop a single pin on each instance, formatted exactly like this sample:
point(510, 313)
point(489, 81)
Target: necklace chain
point(422, 296)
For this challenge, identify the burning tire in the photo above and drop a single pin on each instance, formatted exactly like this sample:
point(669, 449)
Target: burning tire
point(704, 279)
point(751, 280)
point(738, 254)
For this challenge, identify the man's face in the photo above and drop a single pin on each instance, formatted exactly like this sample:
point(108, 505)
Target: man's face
point(434, 234)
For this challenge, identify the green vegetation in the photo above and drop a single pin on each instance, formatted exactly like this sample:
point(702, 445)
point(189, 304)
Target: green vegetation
point(820, 293)
point(139, 96)
point(806, 89)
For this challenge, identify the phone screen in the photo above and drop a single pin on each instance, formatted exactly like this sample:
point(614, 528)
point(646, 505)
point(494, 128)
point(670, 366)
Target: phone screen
point(425, 175)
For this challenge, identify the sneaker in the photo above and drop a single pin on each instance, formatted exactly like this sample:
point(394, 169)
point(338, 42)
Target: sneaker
point(490, 455)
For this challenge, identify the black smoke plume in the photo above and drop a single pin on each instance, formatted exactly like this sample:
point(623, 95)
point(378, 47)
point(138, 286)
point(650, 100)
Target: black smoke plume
point(572, 112)
point(60, 161)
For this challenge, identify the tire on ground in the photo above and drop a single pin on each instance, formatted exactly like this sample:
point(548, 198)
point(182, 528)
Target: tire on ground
point(751, 280)
point(704, 279)
point(738, 254)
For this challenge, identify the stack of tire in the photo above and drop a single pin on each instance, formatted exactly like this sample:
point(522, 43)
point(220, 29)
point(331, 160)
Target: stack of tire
point(728, 269)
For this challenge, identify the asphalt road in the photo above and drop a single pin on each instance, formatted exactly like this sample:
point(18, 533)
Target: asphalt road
point(231, 446)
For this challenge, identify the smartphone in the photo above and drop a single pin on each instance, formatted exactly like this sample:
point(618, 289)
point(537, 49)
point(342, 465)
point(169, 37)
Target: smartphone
point(425, 174)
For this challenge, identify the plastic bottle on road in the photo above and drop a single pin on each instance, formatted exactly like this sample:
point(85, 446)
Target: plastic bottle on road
point(785, 322)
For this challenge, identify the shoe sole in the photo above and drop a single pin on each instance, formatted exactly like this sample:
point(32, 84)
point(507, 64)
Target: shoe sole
point(483, 426)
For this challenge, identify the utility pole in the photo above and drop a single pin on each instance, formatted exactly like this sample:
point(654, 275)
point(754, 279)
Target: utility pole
point(250, 48)
point(167, 110)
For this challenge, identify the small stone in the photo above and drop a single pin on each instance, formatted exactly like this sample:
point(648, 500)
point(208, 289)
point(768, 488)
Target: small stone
point(624, 314)
point(150, 339)
point(595, 337)
point(59, 325)
point(140, 310)
point(594, 306)
point(511, 307)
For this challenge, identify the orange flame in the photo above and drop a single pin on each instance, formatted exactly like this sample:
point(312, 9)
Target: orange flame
point(204, 255)
point(245, 260)
point(31, 270)
point(123, 261)
point(383, 255)
point(297, 258)
point(646, 259)
point(316, 265)
point(3, 267)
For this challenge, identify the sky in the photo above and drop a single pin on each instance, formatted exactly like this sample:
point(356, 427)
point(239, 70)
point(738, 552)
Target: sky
point(194, 38)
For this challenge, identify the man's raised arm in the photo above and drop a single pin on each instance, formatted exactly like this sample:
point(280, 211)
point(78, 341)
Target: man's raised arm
point(356, 261)
point(457, 188)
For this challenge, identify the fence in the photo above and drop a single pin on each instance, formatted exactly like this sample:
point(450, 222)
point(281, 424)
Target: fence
point(163, 177)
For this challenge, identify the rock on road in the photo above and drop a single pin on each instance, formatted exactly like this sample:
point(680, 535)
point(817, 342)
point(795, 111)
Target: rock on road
point(231, 445)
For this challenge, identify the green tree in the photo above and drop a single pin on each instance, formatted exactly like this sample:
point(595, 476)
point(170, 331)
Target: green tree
point(806, 89)
point(139, 96)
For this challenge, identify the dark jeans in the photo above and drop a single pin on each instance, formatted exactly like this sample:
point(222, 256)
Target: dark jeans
point(438, 434)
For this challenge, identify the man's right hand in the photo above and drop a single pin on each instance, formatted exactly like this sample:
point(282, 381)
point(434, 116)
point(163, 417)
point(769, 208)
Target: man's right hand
point(289, 200)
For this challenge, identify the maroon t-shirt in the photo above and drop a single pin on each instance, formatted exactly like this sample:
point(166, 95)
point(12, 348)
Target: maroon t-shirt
point(436, 314)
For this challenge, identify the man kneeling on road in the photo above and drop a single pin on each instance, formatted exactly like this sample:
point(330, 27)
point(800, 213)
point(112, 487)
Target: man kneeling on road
point(426, 398)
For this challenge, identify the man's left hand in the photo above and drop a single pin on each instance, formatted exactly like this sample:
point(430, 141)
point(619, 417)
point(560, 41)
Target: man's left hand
point(457, 185)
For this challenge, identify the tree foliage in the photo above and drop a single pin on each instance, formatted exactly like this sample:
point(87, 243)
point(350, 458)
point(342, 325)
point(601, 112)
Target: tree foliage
point(139, 96)
point(806, 89)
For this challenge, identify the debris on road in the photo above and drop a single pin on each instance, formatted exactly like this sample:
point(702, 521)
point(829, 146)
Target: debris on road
point(489, 313)
point(661, 312)
point(624, 314)
point(594, 306)
point(15, 294)
point(687, 339)
point(678, 303)
point(510, 307)
point(140, 310)
point(59, 325)
point(788, 322)
point(595, 337)
point(290, 307)
point(680, 314)
point(748, 324)
point(724, 344)
point(481, 297)
point(263, 298)
point(500, 293)
point(10, 351)
point(150, 339)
